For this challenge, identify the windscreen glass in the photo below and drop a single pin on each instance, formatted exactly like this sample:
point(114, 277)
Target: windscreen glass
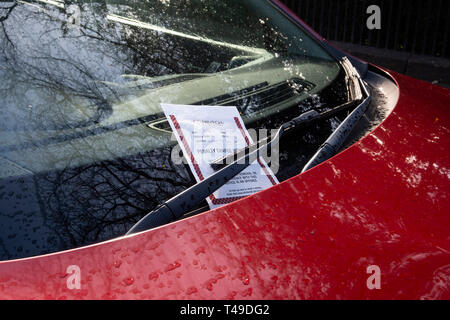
point(85, 150)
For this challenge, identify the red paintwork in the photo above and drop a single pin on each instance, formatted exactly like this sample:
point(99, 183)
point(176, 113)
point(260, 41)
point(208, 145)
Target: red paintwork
point(384, 202)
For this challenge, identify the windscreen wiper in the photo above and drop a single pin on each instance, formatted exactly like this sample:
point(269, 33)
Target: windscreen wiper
point(175, 208)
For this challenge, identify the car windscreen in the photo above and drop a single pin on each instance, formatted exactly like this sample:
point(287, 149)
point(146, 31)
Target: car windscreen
point(85, 149)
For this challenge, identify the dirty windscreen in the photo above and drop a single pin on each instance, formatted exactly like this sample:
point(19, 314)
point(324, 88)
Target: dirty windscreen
point(85, 150)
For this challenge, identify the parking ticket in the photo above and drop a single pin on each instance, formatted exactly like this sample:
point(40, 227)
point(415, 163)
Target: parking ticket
point(208, 133)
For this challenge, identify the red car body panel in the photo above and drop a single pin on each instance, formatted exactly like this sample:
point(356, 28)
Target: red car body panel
point(384, 201)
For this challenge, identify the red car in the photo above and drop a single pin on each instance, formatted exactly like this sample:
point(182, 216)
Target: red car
point(362, 208)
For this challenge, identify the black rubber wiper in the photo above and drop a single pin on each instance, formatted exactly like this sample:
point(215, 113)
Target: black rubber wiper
point(175, 208)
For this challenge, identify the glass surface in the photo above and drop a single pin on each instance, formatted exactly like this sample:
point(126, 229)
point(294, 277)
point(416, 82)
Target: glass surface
point(85, 150)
